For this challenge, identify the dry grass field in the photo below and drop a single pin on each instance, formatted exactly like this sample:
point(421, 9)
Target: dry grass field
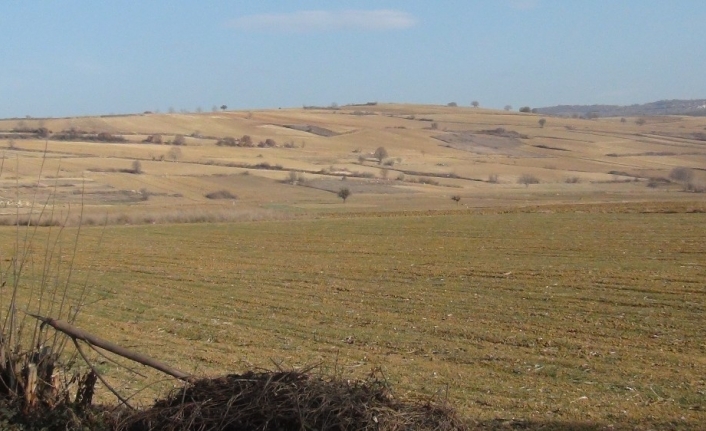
point(577, 301)
point(434, 153)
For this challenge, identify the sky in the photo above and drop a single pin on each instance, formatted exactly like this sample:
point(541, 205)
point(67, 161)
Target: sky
point(85, 57)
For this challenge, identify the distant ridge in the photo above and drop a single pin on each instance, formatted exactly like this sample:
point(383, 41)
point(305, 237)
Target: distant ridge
point(696, 107)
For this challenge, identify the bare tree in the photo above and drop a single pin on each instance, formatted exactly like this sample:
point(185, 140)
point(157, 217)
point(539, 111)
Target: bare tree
point(380, 154)
point(344, 193)
point(179, 140)
point(542, 122)
point(246, 141)
point(508, 107)
point(174, 154)
point(681, 174)
point(456, 198)
point(136, 167)
point(640, 121)
point(475, 103)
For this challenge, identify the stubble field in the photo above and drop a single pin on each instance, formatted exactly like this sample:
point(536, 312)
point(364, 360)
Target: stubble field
point(558, 317)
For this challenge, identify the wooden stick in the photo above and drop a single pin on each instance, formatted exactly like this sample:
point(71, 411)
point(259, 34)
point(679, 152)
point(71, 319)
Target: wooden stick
point(79, 334)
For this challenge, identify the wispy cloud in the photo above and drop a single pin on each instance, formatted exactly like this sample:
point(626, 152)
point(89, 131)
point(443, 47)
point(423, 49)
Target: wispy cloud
point(524, 4)
point(326, 21)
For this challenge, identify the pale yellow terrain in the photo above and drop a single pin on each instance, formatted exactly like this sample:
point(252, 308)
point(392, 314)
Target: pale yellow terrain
point(607, 159)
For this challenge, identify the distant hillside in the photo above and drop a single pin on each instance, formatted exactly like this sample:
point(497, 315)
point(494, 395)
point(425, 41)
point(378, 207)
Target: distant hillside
point(696, 107)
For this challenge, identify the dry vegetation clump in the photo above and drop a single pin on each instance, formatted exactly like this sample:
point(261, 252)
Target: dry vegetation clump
point(502, 132)
point(221, 194)
point(527, 179)
point(74, 134)
point(290, 400)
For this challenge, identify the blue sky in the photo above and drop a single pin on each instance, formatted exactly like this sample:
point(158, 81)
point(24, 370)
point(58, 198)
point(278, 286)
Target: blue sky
point(81, 57)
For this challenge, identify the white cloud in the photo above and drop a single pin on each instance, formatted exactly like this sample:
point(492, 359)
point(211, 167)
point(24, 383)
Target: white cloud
point(322, 21)
point(524, 4)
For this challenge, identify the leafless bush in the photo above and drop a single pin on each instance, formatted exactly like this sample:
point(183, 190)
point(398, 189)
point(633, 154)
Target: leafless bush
point(179, 140)
point(295, 178)
point(228, 141)
point(655, 182)
point(572, 180)
point(267, 143)
point(695, 187)
point(493, 179)
point(527, 179)
point(154, 139)
point(174, 154)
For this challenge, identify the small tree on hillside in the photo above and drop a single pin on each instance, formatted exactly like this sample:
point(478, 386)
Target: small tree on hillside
point(246, 141)
point(380, 154)
point(542, 122)
point(224, 107)
point(456, 198)
point(508, 107)
point(475, 104)
point(344, 193)
point(640, 121)
point(179, 140)
point(174, 154)
point(136, 167)
point(681, 174)
point(526, 109)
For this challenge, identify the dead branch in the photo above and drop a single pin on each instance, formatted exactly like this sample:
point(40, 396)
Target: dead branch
point(79, 334)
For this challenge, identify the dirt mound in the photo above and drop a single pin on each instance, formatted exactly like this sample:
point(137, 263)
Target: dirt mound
point(290, 400)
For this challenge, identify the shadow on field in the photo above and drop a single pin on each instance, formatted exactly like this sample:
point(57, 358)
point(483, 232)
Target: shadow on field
point(631, 425)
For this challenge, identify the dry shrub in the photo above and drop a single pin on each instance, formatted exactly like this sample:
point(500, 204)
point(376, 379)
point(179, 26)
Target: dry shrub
point(695, 187)
point(527, 179)
point(290, 400)
point(221, 194)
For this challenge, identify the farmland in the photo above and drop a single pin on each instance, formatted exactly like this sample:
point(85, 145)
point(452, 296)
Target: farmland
point(558, 303)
